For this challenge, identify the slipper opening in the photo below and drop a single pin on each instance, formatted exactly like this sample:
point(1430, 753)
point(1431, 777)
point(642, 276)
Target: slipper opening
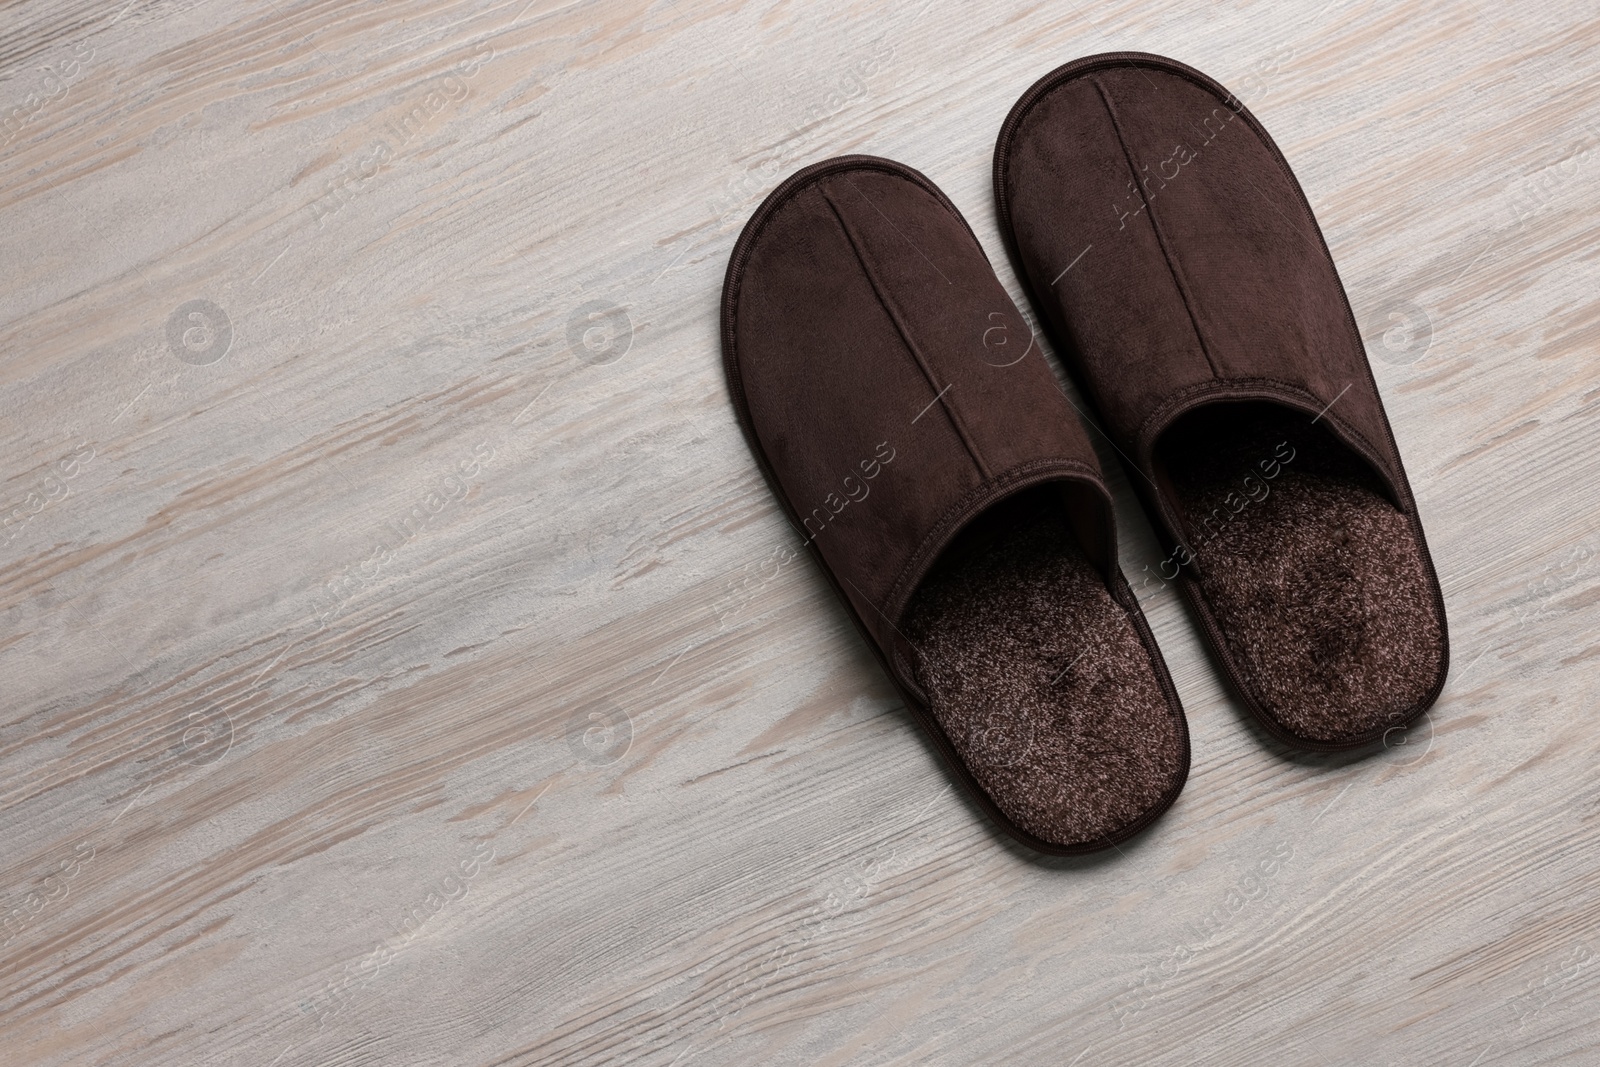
point(1319, 584)
point(1040, 677)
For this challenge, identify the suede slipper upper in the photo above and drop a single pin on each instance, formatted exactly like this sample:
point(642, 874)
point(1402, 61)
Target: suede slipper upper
point(919, 444)
point(1188, 287)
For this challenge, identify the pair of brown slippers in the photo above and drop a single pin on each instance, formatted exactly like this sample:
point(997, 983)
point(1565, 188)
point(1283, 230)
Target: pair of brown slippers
point(917, 439)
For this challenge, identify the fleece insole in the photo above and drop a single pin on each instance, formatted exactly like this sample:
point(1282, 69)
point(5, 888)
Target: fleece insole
point(1039, 678)
point(1316, 580)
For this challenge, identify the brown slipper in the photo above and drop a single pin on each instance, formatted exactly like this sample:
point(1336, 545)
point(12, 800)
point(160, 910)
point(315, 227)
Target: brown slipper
point(1185, 282)
point(919, 444)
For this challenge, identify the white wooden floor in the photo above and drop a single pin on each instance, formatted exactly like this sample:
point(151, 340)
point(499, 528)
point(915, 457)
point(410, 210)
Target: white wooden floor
point(396, 664)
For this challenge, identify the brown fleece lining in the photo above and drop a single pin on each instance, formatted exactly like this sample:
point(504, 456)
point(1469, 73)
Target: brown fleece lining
point(1316, 580)
point(1040, 679)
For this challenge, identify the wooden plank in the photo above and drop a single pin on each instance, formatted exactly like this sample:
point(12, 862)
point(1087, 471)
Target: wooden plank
point(396, 664)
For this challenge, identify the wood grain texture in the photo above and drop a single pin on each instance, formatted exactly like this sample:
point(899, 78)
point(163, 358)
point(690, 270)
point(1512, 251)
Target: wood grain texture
point(404, 674)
